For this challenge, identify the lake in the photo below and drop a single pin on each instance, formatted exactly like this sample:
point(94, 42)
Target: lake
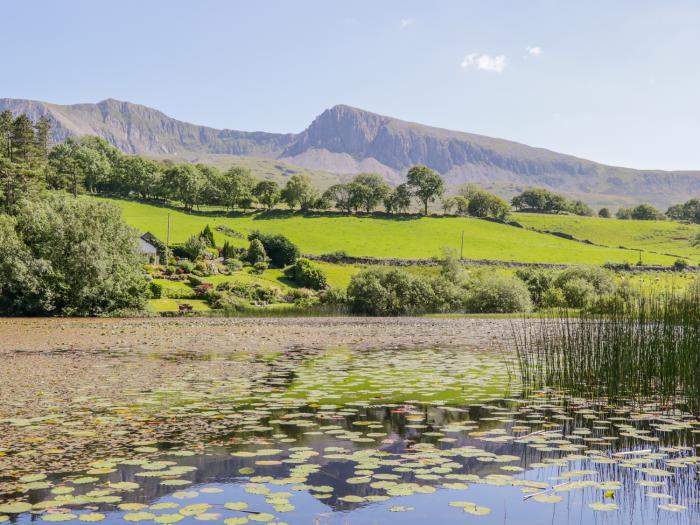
point(120, 429)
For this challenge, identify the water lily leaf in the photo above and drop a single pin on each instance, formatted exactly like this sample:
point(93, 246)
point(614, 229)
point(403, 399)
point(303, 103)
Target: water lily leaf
point(59, 517)
point(92, 517)
point(603, 507)
point(16, 507)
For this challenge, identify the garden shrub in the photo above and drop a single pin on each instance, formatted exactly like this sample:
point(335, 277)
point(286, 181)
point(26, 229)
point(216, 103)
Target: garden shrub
point(281, 251)
point(256, 252)
point(498, 294)
point(680, 264)
point(195, 281)
point(307, 274)
point(156, 290)
point(195, 247)
point(233, 264)
point(185, 266)
point(260, 267)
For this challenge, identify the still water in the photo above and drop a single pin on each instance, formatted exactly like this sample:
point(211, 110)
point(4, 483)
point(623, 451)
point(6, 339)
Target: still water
point(338, 436)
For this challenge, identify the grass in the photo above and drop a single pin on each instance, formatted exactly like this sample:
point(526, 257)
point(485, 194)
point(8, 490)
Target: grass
point(387, 237)
point(173, 305)
point(646, 350)
point(660, 236)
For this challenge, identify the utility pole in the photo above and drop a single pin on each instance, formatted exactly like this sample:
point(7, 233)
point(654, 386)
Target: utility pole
point(461, 248)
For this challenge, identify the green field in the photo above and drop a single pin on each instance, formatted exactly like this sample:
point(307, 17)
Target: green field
point(660, 236)
point(386, 237)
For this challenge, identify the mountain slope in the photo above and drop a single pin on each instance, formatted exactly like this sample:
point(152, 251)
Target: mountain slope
point(346, 140)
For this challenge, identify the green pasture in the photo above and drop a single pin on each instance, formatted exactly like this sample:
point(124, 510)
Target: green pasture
point(388, 237)
point(659, 236)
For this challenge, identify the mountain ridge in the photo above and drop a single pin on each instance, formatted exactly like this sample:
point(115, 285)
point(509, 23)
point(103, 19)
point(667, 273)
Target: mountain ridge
point(345, 140)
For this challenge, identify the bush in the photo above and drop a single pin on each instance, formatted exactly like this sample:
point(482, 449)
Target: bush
point(256, 252)
point(578, 292)
point(602, 280)
point(156, 290)
point(334, 296)
point(233, 264)
point(680, 264)
point(202, 289)
point(538, 282)
point(208, 235)
point(307, 274)
point(195, 247)
point(185, 266)
point(553, 298)
point(195, 281)
point(378, 291)
point(302, 297)
point(260, 267)
point(281, 251)
point(497, 294)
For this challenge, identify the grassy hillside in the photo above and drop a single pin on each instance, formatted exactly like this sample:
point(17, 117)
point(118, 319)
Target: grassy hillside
point(660, 236)
point(383, 237)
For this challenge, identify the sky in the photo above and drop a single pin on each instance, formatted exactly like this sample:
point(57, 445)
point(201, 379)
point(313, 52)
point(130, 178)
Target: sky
point(614, 81)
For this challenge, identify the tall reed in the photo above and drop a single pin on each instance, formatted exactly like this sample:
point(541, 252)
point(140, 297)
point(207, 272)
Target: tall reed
point(642, 349)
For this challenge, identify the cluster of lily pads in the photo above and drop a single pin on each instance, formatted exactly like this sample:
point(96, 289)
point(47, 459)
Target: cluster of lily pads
point(351, 429)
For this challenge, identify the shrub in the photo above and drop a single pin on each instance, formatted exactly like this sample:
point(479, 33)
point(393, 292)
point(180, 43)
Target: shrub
point(497, 294)
point(680, 264)
point(185, 266)
point(307, 274)
point(538, 282)
point(195, 280)
point(260, 267)
point(334, 296)
point(602, 280)
point(208, 235)
point(378, 291)
point(578, 292)
point(281, 251)
point(156, 290)
point(302, 297)
point(256, 252)
point(450, 265)
point(233, 264)
point(553, 298)
point(203, 288)
point(195, 247)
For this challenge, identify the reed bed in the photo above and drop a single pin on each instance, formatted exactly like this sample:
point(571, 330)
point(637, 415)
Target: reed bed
point(645, 349)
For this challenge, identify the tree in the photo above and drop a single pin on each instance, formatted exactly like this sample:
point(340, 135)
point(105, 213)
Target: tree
point(368, 190)
point(42, 131)
point(341, 196)
point(399, 200)
point(688, 211)
point(485, 204)
point(208, 235)
point(299, 192)
point(624, 213)
point(267, 192)
point(426, 184)
point(256, 252)
point(185, 183)
point(22, 138)
point(6, 119)
point(579, 207)
point(281, 251)
point(604, 213)
point(646, 212)
point(62, 256)
point(461, 205)
point(236, 187)
point(195, 247)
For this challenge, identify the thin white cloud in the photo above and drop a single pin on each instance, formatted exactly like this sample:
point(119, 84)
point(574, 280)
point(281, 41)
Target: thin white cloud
point(535, 51)
point(484, 62)
point(405, 22)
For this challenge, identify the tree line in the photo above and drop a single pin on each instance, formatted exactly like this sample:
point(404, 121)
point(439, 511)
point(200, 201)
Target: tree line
point(29, 163)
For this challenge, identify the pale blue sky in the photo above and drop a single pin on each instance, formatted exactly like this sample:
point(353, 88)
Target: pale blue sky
point(611, 80)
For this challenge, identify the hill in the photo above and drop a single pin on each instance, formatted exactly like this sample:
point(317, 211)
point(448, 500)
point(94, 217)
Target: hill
point(422, 237)
point(345, 140)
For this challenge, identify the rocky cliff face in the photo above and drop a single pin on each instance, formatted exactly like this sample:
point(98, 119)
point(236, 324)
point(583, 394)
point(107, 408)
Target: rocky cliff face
point(345, 140)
